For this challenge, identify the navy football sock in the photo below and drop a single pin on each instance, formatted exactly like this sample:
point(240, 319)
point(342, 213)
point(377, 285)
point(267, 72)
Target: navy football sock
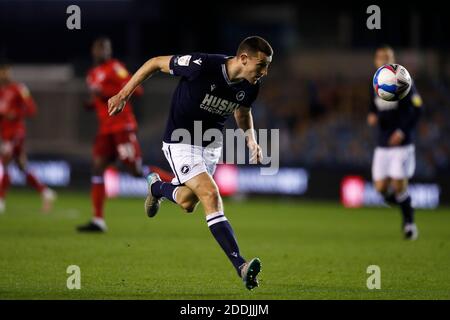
point(164, 189)
point(404, 200)
point(389, 197)
point(222, 231)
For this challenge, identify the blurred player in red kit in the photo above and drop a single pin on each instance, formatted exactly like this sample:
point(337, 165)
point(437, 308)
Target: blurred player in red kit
point(116, 137)
point(16, 104)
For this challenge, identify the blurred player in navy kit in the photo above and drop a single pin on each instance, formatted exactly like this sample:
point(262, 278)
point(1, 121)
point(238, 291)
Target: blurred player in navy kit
point(211, 88)
point(394, 158)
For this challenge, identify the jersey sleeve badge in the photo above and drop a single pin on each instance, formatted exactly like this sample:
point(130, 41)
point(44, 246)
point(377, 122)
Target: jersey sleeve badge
point(416, 100)
point(182, 61)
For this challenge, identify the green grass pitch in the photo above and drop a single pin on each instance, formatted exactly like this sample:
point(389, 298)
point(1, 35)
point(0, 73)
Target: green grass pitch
point(309, 250)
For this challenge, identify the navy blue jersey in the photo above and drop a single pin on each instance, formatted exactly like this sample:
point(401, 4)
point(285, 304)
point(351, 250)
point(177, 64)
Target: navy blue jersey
point(205, 93)
point(393, 115)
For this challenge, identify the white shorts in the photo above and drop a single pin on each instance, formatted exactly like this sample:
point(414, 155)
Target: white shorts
point(188, 161)
point(393, 162)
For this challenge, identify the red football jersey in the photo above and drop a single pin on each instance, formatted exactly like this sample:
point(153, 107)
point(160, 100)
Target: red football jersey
point(105, 81)
point(16, 104)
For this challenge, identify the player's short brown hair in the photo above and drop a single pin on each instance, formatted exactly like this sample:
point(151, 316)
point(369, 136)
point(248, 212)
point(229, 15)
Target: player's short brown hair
point(255, 44)
point(102, 39)
point(385, 46)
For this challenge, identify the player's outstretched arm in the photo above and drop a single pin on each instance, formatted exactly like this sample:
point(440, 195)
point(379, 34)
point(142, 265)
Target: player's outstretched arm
point(244, 121)
point(153, 65)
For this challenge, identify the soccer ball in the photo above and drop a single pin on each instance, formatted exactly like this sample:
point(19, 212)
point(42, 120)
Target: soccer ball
point(392, 82)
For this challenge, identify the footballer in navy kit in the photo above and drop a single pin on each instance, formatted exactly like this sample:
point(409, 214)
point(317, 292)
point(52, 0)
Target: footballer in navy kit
point(394, 157)
point(211, 88)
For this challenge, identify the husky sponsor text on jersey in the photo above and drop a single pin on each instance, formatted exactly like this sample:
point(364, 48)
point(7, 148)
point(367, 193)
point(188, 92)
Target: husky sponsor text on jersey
point(205, 93)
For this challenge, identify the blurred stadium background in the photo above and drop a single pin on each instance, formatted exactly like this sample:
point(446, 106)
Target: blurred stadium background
point(317, 93)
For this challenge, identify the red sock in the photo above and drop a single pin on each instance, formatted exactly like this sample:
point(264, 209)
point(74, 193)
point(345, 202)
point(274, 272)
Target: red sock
point(4, 184)
point(34, 182)
point(98, 195)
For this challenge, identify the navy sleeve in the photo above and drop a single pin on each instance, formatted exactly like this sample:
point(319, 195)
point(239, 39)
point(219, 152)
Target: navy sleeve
point(188, 65)
point(411, 111)
point(372, 106)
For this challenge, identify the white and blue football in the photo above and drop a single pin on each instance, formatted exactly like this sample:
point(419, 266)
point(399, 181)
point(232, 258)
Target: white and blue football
point(392, 82)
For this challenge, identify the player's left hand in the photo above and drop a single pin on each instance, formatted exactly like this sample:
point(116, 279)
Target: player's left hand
point(10, 115)
point(255, 152)
point(116, 104)
point(396, 138)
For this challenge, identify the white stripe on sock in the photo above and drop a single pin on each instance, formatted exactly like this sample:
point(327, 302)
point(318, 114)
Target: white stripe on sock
point(213, 222)
point(174, 194)
point(213, 215)
point(401, 197)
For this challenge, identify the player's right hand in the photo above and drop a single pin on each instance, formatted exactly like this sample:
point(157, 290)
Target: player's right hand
point(396, 138)
point(116, 105)
point(255, 152)
point(9, 115)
